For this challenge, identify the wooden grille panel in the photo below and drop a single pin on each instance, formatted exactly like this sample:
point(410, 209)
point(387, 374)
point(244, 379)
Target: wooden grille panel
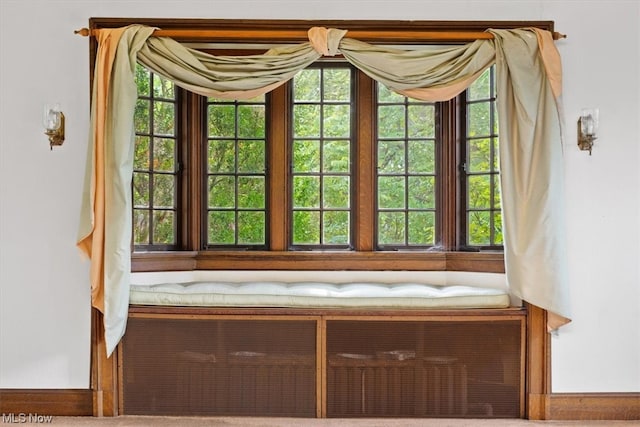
point(219, 367)
point(424, 369)
point(438, 365)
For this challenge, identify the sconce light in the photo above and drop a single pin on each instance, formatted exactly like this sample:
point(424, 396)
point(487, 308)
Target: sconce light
point(53, 121)
point(587, 128)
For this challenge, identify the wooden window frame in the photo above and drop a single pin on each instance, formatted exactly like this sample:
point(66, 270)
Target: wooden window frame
point(322, 138)
point(151, 172)
point(203, 173)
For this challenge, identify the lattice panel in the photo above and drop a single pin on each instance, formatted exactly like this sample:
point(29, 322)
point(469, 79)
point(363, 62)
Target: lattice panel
point(220, 367)
point(424, 369)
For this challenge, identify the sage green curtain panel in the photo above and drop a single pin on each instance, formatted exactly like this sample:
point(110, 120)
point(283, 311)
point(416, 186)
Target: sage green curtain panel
point(530, 139)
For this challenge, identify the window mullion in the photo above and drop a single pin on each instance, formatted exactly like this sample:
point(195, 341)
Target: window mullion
point(193, 170)
point(365, 163)
point(461, 172)
point(278, 168)
point(447, 158)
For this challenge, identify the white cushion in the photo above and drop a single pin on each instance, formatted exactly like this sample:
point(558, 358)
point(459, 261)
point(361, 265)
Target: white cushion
point(318, 294)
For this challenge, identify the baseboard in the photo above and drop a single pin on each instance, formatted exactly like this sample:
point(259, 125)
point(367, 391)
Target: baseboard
point(558, 406)
point(592, 406)
point(61, 402)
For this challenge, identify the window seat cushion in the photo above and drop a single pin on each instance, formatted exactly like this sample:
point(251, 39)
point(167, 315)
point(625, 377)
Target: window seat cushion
point(318, 295)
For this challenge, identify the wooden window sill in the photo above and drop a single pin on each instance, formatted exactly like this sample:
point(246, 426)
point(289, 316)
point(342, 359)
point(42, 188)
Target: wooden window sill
point(486, 262)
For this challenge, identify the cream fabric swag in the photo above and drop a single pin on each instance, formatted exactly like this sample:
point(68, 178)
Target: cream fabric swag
point(529, 87)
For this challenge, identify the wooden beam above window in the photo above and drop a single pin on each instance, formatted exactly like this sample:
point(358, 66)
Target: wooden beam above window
point(295, 31)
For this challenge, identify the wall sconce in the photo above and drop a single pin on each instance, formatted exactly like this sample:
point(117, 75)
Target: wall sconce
point(53, 121)
point(587, 128)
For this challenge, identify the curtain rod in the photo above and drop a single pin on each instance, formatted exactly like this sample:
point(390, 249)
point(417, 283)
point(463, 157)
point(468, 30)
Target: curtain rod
point(292, 35)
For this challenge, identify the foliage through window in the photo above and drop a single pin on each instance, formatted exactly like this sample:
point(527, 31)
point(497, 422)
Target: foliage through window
point(155, 164)
point(236, 173)
point(286, 167)
point(481, 166)
point(321, 157)
point(406, 186)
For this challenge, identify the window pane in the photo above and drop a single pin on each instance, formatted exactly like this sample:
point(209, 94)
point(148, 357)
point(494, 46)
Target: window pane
point(163, 88)
point(221, 156)
point(143, 81)
point(163, 227)
point(306, 121)
point(141, 153)
point(222, 191)
point(251, 192)
point(391, 157)
point(141, 116)
point(335, 192)
point(222, 225)
point(421, 121)
point(164, 154)
point(337, 84)
point(306, 227)
point(391, 227)
point(480, 159)
point(251, 228)
point(337, 121)
point(163, 191)
point(391, 121)
point(422, 229)
point(336, 156)
point(479, 228)
point(222, 121)
point(422, 192)
point(479, 119)
point(164, 118)
point(251, 121)
point(141, 190)
point(479, 192)
point(391, 192)
point(307, 86)
point(335, 228)
point(251, 156)
point(306, 192)
point(141, 227)
point(421, 157)
point(306, 156)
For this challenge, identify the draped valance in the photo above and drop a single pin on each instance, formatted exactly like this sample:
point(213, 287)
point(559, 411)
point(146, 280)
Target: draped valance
point(529, 82)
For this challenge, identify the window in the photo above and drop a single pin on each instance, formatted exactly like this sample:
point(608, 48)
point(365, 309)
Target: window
point(236, 174)
point(320, 105)
point(483, 220)
point(155, 175)
point(406, 170)
point(321, 146)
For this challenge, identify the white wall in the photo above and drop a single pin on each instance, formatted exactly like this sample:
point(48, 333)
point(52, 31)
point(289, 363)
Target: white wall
point(44, 296)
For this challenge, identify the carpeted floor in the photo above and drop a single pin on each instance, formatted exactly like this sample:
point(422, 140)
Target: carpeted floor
point(140, 421)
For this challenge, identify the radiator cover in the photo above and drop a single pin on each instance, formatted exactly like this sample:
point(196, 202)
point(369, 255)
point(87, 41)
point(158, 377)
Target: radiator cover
point(323, 366)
